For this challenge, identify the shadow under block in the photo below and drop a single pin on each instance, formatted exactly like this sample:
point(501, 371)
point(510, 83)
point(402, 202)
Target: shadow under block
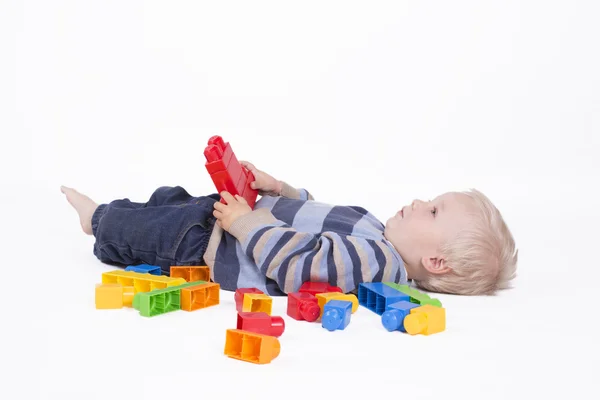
point(160, 301)
point(415, 295)
point(199, 296)
point(113, 295)
point(191, 273)
point(425, 320)
point(140, 282)
point(251, 347)
point(377, 296)
point(257, 303)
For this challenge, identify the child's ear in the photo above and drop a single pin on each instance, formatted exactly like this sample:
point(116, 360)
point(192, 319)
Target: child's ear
point(435, 265)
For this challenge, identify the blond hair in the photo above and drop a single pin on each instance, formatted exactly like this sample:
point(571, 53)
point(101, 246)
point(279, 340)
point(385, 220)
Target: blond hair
point(482, 257)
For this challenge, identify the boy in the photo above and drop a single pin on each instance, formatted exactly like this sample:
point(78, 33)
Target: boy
point(457, 243)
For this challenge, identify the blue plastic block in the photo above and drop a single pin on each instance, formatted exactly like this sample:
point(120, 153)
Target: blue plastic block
point(393, 317)
point(336, 314)
point(377, 296)
point(145, 269)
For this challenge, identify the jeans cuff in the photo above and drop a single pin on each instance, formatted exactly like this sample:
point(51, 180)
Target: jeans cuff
point(97, 216)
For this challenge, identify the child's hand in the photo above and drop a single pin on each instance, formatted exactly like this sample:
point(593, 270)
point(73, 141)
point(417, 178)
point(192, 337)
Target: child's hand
point(226, 214)
point(263, 182)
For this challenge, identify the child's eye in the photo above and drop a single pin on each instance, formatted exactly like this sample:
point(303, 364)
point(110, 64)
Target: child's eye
point(434, 211)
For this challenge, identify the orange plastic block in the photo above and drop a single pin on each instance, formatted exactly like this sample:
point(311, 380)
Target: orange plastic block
point(252, 347)
point(191, 274)
point(323, 298)
point(113, 295)
point(254, 302)
point(140, 282)
point(425, 320)
point(200, 296)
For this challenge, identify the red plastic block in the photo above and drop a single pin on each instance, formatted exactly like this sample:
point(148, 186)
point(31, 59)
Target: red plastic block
point(226, 171)
point(315, 288)
point(239, 297)
point(303, 306)
point(260, 322)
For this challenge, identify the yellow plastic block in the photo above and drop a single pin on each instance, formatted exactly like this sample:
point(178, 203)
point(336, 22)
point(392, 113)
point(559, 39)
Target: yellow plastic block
point(323, 298)
point(254, 302)
point(113, 295)
point(191, 273)
point(141, 282)
point(252, 347)
point(425, 320)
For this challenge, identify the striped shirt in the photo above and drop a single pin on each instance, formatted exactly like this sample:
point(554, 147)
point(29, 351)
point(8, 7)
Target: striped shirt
point(291, 239)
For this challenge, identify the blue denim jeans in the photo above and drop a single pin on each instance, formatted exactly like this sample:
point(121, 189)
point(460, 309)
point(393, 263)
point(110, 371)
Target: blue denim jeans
point(172, 228)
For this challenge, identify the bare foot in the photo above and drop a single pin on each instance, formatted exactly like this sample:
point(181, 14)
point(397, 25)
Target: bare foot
point(84, 206)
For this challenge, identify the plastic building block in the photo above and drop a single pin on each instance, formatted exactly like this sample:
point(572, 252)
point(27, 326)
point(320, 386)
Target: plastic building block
point(303, 306)
point(260, 322)
point(425, 320)
point(377, 297)
point(251, 347)
point(315, 288)
point(191, 274)
point(336, 315)
point(239, 297)
point(200, 296)
point(393, 318)
point(226, 171)
point(113, 295)
point(160, 301)
point(415, 296)
point(145, 269)
point(140, 282)
point(257, 303)
point(323, 298)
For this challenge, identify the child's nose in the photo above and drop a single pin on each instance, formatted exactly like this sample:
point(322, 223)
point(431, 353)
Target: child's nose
point(416, 203)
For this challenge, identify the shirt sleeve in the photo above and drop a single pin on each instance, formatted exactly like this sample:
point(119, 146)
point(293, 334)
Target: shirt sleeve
point(290, 257)
point(290, 192)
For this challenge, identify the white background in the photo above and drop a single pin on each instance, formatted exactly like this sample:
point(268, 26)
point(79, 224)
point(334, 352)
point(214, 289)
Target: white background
point(362, 103)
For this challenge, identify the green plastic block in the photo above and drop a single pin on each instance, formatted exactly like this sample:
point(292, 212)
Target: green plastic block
point(415, 296)
point(161, 301)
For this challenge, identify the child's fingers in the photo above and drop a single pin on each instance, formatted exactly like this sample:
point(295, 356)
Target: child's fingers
point(240, 199)
point(218, 214)
point(227, 196)
point(219, 206)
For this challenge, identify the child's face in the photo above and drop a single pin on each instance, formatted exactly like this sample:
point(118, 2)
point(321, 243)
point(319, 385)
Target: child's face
point(418, 230)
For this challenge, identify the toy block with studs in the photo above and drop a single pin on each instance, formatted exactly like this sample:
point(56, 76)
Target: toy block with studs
point(202, 295)
point(251, 347)
point(260, 322)
point(323, 298)
point(303, 306)
point(226, 171)
point(160, 301)
point(113, 295)
point(254, 302)
point(336, 315)
point(425, 320)
point(315, 288)
point(377, 296)
point(393, 318)
point(145, 269)
point(141, 282)
point(239, 297)
point(415, 295)
point(191, 273)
